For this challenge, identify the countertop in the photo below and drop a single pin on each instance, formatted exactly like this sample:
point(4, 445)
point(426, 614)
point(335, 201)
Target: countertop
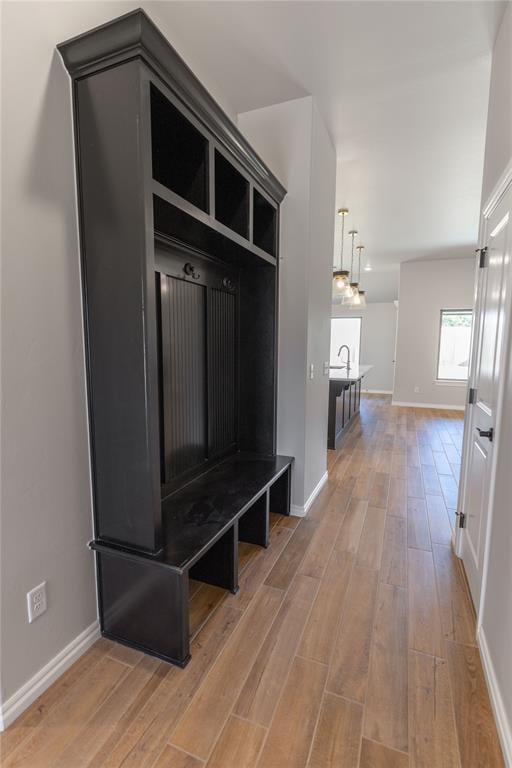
point(355, 373)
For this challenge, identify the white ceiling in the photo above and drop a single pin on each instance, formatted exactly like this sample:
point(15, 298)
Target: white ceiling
point(402, 87)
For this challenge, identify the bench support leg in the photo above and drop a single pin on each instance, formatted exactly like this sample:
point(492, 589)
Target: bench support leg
point(179, 618)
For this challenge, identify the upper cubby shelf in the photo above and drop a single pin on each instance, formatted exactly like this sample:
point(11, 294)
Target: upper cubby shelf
point(231, 196)
point(179, 152)
point(135, 37)
point(264, 224)
point(176, 219)
point(207, 187)
point(199, 161)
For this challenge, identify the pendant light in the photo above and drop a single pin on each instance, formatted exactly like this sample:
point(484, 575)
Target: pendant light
point(362, 294)
point(340, 277)
point(352, 300)
point(355, 300)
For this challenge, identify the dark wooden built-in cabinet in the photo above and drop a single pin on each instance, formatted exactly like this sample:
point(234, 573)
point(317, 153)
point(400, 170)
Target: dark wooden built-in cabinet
point(179, 224)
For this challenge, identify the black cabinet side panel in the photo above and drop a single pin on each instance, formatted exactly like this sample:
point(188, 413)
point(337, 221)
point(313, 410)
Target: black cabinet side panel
point(258, 317)
point(119, 306)
point(145, 606)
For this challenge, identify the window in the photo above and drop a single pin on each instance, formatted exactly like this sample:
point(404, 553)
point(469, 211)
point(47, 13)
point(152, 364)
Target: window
point(345, 330)
point(454, 344)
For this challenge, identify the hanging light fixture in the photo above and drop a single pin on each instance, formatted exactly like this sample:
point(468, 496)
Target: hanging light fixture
point(362, 294)
point(359, 299)
point(353, 299)
point(340, 277)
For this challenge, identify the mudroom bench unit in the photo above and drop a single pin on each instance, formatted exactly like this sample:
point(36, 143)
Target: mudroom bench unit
point(203, 523)
point(179, 231)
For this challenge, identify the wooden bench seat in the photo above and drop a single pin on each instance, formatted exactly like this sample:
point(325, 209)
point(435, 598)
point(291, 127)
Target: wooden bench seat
point(203, 523)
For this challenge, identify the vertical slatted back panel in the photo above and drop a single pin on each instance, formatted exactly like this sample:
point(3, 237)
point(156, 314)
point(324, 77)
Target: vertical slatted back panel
point(183, 324)
point(222, 379)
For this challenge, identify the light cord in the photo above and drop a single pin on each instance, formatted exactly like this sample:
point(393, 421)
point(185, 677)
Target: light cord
point(352, 259)
point(342, 240)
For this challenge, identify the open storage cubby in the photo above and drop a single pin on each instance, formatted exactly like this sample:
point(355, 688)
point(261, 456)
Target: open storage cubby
point(280, 495)
point(264, 224)
point(231, 196)
point(179, 152)
point(181, 319)
point(253, 525)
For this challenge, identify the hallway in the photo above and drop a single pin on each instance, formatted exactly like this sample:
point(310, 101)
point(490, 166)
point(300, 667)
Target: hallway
point(350, 643)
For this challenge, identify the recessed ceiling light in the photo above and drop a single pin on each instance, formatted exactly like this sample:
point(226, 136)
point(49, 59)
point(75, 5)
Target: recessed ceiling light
point(368, 268)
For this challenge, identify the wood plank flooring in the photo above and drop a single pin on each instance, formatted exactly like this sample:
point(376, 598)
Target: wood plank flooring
point(351, 643)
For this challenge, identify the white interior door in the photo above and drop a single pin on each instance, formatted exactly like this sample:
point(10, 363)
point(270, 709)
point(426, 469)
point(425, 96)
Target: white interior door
point(485, 368)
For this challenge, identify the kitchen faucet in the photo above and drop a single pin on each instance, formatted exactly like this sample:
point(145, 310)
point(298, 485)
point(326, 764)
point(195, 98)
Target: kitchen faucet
point(345, 346)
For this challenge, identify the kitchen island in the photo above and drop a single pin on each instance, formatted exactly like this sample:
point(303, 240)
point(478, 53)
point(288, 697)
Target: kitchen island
point(344, 399)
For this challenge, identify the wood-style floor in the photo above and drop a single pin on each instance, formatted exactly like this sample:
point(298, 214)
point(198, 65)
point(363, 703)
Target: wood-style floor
point(351, 641)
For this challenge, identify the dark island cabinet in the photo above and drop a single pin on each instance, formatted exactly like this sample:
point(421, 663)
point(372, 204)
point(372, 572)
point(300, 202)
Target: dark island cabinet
point(179, 227)
point(344, 404)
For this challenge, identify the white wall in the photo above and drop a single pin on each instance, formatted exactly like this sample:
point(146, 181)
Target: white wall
point(427, 287)
point(378, 336)
point(498, 143)
point(45, 496)
point(497, 601)
point(321, 236)
point(292, 139)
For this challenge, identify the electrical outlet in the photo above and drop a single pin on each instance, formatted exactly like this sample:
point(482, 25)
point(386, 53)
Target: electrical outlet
point(416, 389)
point(36, 602)
point(326, 367)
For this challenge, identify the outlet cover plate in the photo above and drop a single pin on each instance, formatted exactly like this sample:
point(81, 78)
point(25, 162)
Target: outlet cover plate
point(36, 602)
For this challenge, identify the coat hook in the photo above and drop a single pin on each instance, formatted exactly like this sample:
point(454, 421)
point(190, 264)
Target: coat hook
point(190, 270)
point(228, 283)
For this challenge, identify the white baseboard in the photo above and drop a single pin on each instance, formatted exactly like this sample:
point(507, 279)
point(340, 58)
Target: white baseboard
point(377, 391)
point(430, 405)
point(33, 688)
point(297, 511)
point(502, 722)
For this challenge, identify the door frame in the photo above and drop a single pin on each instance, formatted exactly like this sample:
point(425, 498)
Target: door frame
point(503, 186)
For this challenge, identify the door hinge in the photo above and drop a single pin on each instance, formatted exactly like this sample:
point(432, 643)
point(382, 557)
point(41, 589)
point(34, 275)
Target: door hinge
point(488, 433)
point(483, 257)
point(472, 396)
point(462, 519)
